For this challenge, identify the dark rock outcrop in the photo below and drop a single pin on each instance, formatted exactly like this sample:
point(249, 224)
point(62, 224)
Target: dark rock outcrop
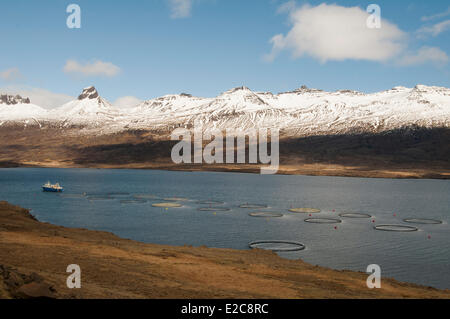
point(12, 100)
point(17, 285)
point(88, 93)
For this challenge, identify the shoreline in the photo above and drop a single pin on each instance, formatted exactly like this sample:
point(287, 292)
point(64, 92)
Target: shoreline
point(34, 257)
point(330, 170)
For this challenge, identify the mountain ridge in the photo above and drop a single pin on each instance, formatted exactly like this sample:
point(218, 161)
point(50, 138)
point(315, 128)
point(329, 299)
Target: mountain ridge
point(301, 112)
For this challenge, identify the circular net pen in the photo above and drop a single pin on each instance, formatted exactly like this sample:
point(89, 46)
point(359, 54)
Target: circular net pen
point(167, 205)
point(423, 221)
point(355, 215)
point(176, 199)
point(396, 228)
point(265, 214)
point(253, 206)
point(323, 220)
point(277, 245)
point(214, 209)
point(305, 210)
point(210, 202)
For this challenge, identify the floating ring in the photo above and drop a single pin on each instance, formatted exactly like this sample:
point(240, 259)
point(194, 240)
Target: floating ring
point(323, 220)
point(294, 246)
point(423, 221)
point(396, 228)
point(210, 202)
point(176, 199)
point(355, 215)
point(305, 210)
point(265, 214)
point(167, 205)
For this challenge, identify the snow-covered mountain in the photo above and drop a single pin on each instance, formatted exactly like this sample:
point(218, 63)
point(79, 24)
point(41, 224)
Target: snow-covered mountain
point(17, 108)
point(301, 112)
point(21, 112)
point(89, 109)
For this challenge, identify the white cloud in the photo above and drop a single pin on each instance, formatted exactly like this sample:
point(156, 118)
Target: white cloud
point(97, 68)
point(10, 75)
point(434, 30)
point(127, 101)
point(180, 8)
point(437, 16)
point(332, 32)
point(425, 55)
point(41, 97)
point(287, 6)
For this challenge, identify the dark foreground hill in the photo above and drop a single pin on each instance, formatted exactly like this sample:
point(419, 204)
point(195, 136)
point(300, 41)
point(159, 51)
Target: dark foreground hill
point(406, 153)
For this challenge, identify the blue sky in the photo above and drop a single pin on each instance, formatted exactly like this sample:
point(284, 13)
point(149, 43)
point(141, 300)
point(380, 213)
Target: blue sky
point(146, 49)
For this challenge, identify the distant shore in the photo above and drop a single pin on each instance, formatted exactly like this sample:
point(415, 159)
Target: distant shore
point(34, 257)
point(300, 169)
point(409, 153)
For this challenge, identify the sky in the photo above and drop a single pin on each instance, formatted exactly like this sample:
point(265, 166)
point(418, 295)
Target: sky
point(137, 50)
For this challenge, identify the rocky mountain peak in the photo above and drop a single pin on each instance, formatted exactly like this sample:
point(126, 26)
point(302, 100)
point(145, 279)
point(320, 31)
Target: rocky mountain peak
point(12, 100)
point(88, 93)
point(305, 89)
point(238, 89)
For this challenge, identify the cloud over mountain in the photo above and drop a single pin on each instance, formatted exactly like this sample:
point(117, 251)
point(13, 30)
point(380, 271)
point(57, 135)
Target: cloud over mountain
point(424, 55)
point(96, 68)
point(127, 101)
point(333, 32)
point(38, 96)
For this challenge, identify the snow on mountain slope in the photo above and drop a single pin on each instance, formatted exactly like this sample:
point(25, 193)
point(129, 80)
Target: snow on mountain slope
point(169, 104)
point(237, 108)
point(305, 111)
point(298, 113)
point(318, 112)
point(20, 112)
point(17, 108)
point(88, 109)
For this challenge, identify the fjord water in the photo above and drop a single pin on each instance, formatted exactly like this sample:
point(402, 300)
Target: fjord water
point(421, 257)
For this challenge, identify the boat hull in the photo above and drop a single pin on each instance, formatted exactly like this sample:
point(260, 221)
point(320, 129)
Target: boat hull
point(51, 190)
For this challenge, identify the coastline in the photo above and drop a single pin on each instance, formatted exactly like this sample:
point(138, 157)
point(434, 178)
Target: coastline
point(34, 257)
point(332, 170)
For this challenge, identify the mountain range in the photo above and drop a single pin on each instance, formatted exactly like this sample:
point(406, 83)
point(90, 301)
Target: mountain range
point(398, 133)
point(302, 112)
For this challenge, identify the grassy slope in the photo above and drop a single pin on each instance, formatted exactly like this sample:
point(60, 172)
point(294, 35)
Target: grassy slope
point(34, 257)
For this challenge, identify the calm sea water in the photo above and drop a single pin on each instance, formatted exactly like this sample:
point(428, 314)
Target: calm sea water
point(412, 257)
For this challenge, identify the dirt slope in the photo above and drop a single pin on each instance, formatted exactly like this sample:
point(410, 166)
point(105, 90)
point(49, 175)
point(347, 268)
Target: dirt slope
point(34, 257)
